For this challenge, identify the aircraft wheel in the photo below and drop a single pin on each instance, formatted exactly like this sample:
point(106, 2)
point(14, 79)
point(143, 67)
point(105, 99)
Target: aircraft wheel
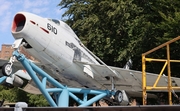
point(7, 69)
point(118, 96)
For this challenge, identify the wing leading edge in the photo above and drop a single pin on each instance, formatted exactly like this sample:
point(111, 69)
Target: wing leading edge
point(132, 80)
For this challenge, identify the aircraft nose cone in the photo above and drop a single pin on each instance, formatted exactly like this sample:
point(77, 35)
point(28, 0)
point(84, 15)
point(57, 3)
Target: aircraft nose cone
point(18, 22)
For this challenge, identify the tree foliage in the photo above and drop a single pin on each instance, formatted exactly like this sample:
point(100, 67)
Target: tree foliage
point(37, 100)
point(109, 28)
point(12, 95)
point(116, 30)
point(163, 17)
point(17, 95)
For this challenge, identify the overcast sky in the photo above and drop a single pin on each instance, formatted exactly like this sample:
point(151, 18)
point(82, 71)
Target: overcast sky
point(8, 8)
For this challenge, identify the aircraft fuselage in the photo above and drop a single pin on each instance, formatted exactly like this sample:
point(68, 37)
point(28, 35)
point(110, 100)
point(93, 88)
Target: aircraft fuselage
point(56, 46)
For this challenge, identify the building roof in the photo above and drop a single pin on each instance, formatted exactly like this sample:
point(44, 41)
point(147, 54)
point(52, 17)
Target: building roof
point(7, 44)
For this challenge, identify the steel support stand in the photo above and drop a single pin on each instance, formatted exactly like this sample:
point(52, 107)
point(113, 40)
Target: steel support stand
point(2, 79)
point(61, 92)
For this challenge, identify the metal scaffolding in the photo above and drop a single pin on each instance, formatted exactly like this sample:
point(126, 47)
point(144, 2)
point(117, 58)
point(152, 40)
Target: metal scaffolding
point(166, 64)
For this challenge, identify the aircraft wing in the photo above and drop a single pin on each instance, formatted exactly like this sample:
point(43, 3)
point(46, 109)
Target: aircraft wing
point(129, 80)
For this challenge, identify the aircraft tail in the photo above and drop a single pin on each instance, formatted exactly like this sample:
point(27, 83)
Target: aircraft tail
point(128, 64)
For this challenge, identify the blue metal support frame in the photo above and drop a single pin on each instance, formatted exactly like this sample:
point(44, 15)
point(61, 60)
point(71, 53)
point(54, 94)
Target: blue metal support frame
point(2, 79)
point(61, 92)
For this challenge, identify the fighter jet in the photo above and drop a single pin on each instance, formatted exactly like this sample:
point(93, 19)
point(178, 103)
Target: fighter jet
point(63, 56)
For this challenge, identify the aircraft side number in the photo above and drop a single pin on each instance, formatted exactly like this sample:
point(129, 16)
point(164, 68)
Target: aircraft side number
point(52, 28)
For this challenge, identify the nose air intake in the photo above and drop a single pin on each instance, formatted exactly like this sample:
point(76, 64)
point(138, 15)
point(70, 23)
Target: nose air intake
point(18, 23)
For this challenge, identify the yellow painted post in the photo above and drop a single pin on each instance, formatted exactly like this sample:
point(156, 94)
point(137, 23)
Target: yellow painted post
point(169, 75)
point(144, 95)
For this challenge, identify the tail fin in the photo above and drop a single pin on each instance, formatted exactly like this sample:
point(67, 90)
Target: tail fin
point(128, 64)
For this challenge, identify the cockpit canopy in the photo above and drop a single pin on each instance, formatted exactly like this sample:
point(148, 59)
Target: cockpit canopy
point(55, 21)
point(65, 26)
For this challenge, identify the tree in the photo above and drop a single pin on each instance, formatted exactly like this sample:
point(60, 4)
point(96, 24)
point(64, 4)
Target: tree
point(13, 94)
point(109, 28)
point(116, 30)
point(37, 100)
point(18, 95)
point(163, 17)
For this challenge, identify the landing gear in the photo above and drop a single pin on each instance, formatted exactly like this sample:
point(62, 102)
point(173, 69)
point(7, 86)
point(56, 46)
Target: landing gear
point(118, 96)
point(7, 69)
